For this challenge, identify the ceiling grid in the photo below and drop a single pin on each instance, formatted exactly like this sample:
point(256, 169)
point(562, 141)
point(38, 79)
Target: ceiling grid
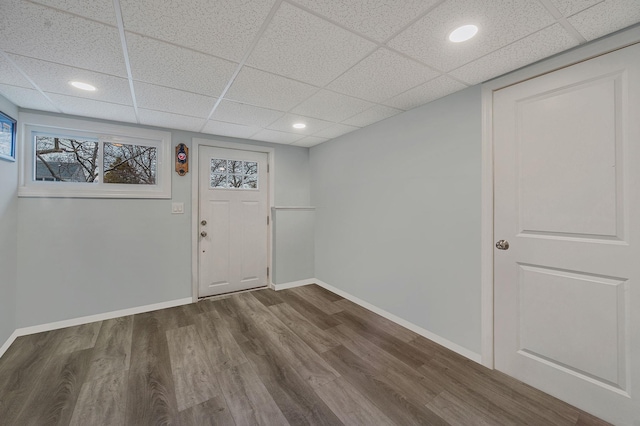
point(253, 69)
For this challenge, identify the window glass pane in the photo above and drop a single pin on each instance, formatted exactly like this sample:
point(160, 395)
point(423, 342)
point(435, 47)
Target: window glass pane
point(130, 164)
point(250, 182)
point(236, 167)
point(250, 168)
point(235, 181)
point(218, 180)
point(218, 165)
point(234, 174)
point(63, 159)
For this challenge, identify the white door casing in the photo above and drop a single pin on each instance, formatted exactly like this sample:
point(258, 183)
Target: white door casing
point(232, 222)
point(567, 198)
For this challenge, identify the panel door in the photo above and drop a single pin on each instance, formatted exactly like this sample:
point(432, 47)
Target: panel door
point(567, 200)
point(233, 210)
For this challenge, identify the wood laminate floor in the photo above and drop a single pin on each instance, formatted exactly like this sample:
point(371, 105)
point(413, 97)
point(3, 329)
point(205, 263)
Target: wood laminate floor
point(299, 356)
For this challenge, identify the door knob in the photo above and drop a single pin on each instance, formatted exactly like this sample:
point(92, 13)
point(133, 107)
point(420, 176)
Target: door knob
point(203, 234)
point(502, 245)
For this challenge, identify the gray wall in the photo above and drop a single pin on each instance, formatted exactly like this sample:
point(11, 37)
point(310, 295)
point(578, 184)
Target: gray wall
point(8, 236)
point(81, 257)
point(293, 241)
point(398, 215)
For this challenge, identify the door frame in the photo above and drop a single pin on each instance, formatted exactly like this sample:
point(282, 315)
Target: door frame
point(573, 56)
point(196, 143)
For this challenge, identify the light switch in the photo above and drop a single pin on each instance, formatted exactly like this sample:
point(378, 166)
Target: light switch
point(177, 208)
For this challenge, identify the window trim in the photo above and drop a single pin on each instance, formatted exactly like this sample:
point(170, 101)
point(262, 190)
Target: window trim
point(105, 132)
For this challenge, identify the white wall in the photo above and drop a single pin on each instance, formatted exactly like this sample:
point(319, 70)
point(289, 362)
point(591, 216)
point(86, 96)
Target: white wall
point(398, 215)
point(8, 236)
point(79, 257)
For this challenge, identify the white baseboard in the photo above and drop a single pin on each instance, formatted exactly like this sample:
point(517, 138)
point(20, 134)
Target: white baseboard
point(91, 318)
point(293, 284)
point(8, 343)
point(404, 323)
point(148, 308)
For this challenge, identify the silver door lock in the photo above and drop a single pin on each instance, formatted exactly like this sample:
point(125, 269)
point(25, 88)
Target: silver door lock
point(502, 245)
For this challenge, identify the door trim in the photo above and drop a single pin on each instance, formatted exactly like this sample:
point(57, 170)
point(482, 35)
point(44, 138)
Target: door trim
point(578, 54)
point(196, 143)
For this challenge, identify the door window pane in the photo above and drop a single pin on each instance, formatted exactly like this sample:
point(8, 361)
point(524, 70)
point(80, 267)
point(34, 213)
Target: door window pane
point(250, 168)
point(250, 182)
point(234, 174)
point(235, 167)
point(235, 181)
point(218, 180)
point(218, 165)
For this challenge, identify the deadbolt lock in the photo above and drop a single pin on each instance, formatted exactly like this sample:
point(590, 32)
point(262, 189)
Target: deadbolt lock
point(203, 223)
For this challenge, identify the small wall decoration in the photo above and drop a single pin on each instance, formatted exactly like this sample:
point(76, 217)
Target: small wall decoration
point(7, 137)
point(182, 159)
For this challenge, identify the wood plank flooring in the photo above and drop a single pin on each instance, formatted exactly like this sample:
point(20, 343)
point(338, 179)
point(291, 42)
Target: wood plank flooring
point(299, 356)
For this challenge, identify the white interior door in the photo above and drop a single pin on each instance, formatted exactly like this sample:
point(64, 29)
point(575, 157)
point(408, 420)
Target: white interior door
point(233, 227)
point(567, 200)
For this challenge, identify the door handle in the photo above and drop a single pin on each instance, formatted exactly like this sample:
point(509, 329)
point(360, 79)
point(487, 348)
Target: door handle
point(203, 234)
point(502, 245)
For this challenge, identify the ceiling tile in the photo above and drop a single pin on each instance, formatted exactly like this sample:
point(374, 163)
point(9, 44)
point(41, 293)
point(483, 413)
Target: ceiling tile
point(51, 77)
point(11, 76)
point(286, 122)
point(309, 141)
point(276, 137)
point(40, 32)
point(26, 98)
point(268, 90)
point(305, 47)
point(331, 106)
point(223, 28)
point(372, 115)
point(606, 17)
point(167, 65)
point(500, 22)
point(382, 75)
point(169, 121)
point(378, 19)
point(230, 129)
point(249, 115)
point(335, 131)
point(92, 108)
point(523, 52)
point(99, 10)
point(570, 7)
point(427, 92)
point(150, 96)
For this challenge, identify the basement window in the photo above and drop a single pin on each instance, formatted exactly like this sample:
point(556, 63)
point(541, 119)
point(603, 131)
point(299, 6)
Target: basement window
point(77, 161)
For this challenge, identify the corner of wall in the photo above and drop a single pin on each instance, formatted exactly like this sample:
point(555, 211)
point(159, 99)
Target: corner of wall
point(8, 240)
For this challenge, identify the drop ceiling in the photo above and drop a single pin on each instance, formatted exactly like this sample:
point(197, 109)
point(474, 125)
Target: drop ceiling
point(251, 69)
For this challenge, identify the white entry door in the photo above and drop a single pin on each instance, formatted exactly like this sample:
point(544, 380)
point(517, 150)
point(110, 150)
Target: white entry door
point(233, 222)
point(567, 201)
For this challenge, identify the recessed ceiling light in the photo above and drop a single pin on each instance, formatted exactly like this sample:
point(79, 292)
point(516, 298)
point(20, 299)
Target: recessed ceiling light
point(299, 126)
point(463, 33)
point(83, 86)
